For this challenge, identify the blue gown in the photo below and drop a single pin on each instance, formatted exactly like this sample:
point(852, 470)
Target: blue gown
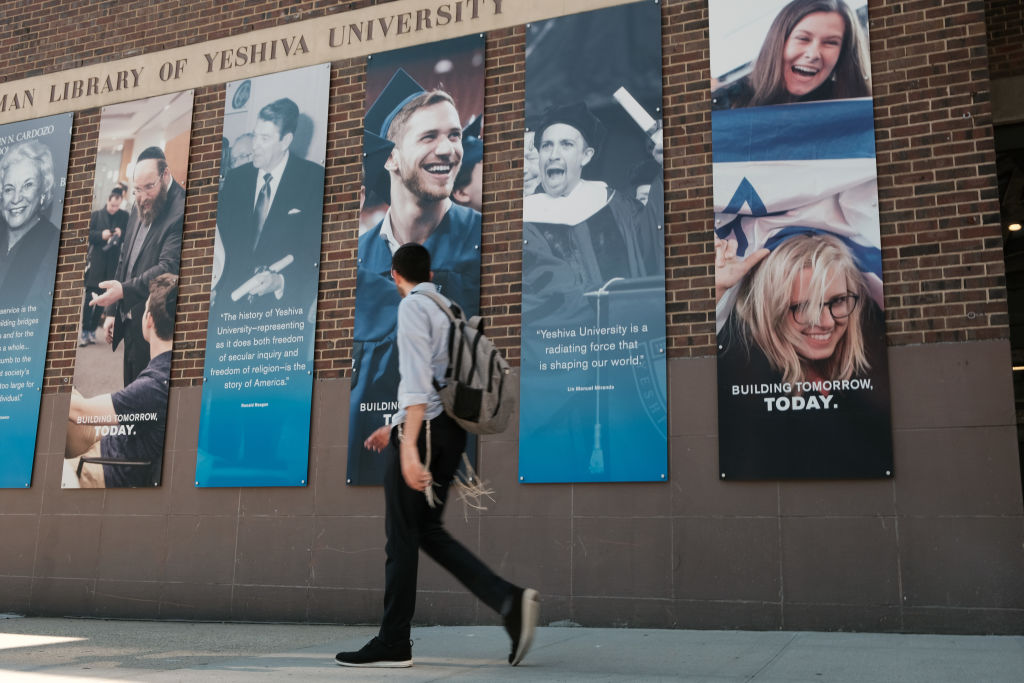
point(454, 248)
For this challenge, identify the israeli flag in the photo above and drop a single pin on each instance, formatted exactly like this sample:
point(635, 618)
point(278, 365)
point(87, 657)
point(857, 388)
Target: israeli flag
point(786, 169)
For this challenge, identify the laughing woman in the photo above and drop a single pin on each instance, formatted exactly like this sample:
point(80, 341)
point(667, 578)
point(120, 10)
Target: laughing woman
point(814, 50)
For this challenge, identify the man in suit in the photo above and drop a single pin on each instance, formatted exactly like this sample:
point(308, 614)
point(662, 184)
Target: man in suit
point(151, 247)
point(106, 227)
point(266, 211)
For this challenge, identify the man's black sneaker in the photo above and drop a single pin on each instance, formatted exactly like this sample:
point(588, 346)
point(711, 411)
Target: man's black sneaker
point(378, 654)
point(521, 622)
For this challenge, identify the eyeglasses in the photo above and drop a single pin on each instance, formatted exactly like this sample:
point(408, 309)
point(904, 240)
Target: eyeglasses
point(147, 188)
point(838, 307)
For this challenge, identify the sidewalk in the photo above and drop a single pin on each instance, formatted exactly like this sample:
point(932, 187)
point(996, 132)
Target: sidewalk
point(64, 650)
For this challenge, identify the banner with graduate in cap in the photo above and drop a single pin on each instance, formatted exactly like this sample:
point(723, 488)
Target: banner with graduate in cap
point(422, 175)
point(33, 173)
point(258, 372)
point(803, 380)
point(592, 396)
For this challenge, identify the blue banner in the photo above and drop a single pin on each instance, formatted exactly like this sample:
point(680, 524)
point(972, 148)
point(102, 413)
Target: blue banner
point(33, 173)
point(258, 372)
point(592, 396)
point(441, 212)
point(837, 129)
point(803, 380)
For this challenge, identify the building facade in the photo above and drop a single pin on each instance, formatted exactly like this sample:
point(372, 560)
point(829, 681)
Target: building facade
point(937, 548)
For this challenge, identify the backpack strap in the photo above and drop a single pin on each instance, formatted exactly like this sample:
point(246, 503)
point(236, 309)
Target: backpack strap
point(452, 310)
point(454, 314)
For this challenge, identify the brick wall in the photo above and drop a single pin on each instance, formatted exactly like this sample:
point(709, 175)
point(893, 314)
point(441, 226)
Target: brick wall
point(942, 251)
point(937, 548)
point(1005, 21)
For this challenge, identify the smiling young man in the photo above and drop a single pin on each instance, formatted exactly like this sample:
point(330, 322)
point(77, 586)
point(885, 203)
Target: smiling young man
point(413, 140)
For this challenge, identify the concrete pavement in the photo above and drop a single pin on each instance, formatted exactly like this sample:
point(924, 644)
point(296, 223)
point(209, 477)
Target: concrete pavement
point(35, 650)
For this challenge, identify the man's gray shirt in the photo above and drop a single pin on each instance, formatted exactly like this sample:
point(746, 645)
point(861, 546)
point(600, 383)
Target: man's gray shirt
point(422, 352)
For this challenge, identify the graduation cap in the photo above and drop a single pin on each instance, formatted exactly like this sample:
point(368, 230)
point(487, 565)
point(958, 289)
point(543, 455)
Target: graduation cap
point(399, 91)
point(579, 117)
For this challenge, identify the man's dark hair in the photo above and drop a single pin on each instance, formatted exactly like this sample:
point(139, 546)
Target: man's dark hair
point(117, 192)
point(412, 261)
point(154, 152)
point(283, 113)
point(163, 297)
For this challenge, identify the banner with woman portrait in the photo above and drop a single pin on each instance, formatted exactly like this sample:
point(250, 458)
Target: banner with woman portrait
point(258, 371)
point(33, 174)
point(127, 296)
point(422, 182)
point(592, 396)
point(803, 381)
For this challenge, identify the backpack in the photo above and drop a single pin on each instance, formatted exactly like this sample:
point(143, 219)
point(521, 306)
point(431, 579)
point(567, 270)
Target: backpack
point(475, 393)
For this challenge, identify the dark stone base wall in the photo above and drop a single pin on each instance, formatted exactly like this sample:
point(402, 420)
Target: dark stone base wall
point(939, 548)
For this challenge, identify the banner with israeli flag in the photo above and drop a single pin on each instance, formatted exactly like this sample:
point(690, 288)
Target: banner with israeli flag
point(803, 382)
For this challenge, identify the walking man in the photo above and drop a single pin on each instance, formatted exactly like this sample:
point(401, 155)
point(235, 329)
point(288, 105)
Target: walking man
point(428, 446)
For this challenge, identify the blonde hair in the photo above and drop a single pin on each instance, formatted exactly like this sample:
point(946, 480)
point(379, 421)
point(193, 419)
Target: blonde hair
point(764, 304)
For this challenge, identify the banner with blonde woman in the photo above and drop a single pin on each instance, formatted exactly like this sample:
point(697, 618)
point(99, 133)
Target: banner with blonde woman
point(33, 169)
point(803, 380)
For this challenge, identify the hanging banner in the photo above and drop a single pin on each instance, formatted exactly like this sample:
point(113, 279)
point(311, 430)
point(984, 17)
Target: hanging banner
point(803, 380)
point(422, 172)
point(33, 173)
point(258, 371)
point(118, 413)
point(593, 397)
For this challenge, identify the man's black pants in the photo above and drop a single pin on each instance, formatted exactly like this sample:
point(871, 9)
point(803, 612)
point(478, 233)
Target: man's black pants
point(411, 524)
point(136, 350)
point(91, 315)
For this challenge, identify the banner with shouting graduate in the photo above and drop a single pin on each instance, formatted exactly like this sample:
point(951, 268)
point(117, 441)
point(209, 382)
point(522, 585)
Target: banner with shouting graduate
point(422, 174)
point(258, 371)
point(128, 295)
point(593, 398)
point(33, 173)
point(803, 381)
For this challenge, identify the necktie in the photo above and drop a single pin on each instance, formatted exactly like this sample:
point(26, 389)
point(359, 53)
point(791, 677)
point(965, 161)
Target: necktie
point(262, 207)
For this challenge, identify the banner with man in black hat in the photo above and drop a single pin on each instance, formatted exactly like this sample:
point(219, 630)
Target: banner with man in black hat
point(592, 393)
point(423, 104)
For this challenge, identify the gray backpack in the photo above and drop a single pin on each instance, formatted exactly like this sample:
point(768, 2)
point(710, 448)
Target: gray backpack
point(475, 393)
